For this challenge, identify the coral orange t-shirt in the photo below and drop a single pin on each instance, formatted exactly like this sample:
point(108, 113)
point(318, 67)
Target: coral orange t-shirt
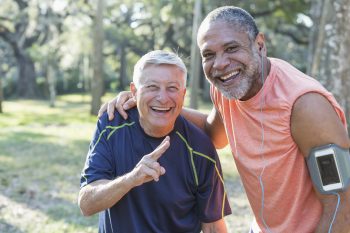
point(266, 155)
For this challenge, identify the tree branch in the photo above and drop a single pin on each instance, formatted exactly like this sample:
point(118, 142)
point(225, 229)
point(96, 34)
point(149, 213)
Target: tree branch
point(3, 18)
point(302, 40)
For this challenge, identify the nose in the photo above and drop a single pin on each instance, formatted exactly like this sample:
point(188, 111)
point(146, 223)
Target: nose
point(220, 62)
point(162, 96)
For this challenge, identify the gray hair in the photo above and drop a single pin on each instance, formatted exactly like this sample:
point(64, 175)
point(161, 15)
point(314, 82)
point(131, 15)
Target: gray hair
point(235, 16)
point(158, 57)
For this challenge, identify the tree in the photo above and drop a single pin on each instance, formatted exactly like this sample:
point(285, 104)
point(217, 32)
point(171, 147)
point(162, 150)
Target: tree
point(97, 86)
point(195, 56)
point(329, 55)
point(1, 94)
point(136, 28)
point(24, 25)
point(20, 42)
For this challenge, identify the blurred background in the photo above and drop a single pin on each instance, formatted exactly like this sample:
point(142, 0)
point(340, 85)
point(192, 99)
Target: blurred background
point(61, 59)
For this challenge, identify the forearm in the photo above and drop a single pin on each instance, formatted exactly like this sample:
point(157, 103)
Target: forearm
point(196, 117)
point(103, 194)
point(342, 220)
point(211, 124)
point(214, 227)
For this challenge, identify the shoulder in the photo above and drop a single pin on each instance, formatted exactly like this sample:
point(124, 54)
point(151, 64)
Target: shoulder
point(118, 120)
point(287, 83)
point(284, 72)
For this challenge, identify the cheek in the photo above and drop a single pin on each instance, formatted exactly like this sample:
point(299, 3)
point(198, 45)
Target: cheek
point(145, 96)
point(177, 98)
point(206, 67)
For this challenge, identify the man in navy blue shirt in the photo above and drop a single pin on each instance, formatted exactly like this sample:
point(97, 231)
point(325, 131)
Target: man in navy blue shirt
point(154, 171)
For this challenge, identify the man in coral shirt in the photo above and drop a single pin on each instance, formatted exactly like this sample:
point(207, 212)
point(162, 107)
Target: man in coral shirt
point(272, 115)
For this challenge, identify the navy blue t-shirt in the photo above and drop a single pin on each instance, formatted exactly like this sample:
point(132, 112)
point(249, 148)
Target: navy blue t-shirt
point(190, 192)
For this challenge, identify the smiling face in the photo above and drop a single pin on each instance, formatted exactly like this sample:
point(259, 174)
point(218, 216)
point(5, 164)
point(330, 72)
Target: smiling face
point(159, 95)
point(230, 60)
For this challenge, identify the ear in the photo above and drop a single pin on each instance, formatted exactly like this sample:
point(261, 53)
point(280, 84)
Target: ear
point(260, 43)
point(133, 89)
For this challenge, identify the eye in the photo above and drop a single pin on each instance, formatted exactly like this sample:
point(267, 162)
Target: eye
point(152, 87)
point(207, 55)
point(231, 49)
point(173, 88)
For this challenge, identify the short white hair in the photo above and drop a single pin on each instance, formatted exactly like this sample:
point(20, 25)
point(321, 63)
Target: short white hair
point(158, 57)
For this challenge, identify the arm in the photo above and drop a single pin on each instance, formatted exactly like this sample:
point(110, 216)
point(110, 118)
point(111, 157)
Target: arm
point(314, 122)
point(214, 227)
point(212, 125)
point(103, 194)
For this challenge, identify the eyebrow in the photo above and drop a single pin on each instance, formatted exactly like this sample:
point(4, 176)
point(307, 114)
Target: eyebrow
point(233, 42)
point(230, 43)
point(155, 82)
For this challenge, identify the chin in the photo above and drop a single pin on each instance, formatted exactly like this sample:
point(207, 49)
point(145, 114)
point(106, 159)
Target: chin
point(235, 93)
point(232, 94)
point(160, 124)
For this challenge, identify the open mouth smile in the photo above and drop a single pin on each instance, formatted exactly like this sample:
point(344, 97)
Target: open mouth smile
point(229, 76)
point(161, 109)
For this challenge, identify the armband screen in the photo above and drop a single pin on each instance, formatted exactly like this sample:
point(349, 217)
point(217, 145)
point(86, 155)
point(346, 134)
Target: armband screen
point(329, 167)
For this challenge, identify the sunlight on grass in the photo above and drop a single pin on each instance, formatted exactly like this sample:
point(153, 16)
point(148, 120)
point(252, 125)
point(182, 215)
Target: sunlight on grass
point(43, 150)
point(227, 163)
point(22, 218)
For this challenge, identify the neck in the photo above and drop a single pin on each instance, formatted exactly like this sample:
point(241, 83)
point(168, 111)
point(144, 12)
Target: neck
point(156, 132)
point(260, 78)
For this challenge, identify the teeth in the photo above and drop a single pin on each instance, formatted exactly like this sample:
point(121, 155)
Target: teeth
point(229, 75)
point(161, 109)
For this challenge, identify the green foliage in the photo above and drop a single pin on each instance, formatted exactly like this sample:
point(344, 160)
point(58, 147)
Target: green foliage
point(134, 28)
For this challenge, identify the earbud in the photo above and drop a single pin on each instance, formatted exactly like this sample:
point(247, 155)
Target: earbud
point(261, 46)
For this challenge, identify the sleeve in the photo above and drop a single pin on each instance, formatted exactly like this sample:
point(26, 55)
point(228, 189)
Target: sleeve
point(211, 196)
point(99, 160)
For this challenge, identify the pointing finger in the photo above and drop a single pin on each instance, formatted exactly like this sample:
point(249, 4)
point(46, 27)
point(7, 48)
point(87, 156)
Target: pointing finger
point(159, 151)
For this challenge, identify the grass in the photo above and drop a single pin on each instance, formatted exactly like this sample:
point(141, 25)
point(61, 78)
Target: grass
point(42, 152)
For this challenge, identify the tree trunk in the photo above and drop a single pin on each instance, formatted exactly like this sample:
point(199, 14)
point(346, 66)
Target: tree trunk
point(86, 73)
point(52, 84)
point(1, 95)
point(331, 58)
point(318, 13)
point(342, 10)
point(195, 57)
point(122, 74)
point(97, 86)
point(26, 86)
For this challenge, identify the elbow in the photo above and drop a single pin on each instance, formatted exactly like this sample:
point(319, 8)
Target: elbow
point(85, 207)
point(220, 142)
point(219, 146)
point(85, 212)
point(217, 135)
